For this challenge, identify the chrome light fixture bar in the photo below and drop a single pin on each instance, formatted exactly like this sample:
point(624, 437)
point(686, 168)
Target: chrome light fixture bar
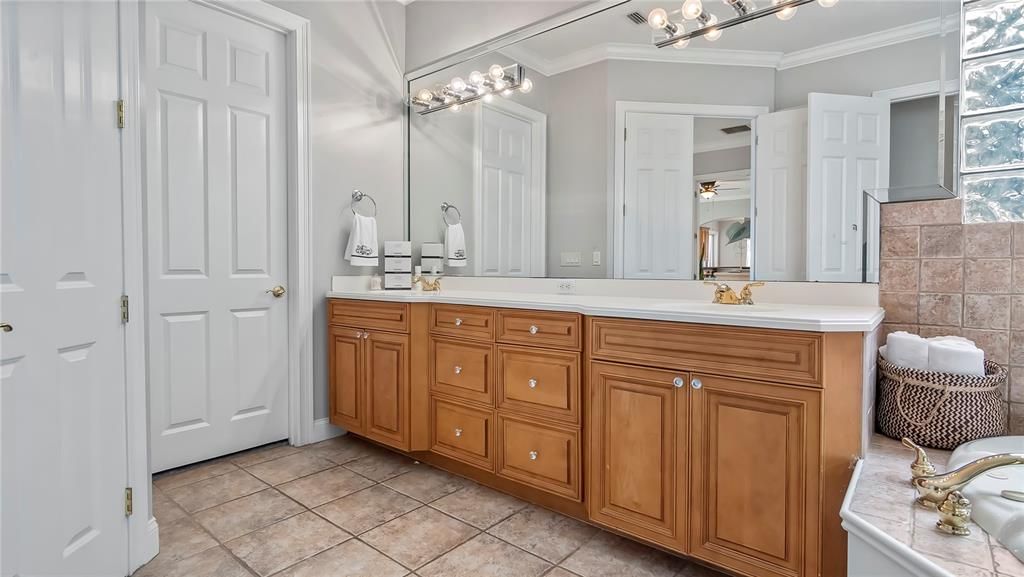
point(503, 80)
point(712, 29)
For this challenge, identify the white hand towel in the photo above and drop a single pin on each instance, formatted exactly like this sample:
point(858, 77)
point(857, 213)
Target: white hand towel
point(955, 356)
point(904, 349)
point(362, 241)
point(455, 245)
point(881, 351)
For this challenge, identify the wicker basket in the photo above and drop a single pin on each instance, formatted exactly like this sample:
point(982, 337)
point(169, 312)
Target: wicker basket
point(940, 410)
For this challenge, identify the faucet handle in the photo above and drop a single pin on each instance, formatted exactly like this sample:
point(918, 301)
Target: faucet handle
point(921, 467)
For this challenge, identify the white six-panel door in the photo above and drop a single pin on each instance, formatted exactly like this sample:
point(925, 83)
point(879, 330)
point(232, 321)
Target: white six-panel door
point(216, 233)
point(506, 199)
point(847, 153)
point(658, 226)
point(780, 196)
point(62, 379)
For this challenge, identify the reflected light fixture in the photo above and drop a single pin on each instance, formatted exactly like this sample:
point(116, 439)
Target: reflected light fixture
point(673, 33)
point(692, 9)
point(786, 13)
point(504, 80)
point(708, 190)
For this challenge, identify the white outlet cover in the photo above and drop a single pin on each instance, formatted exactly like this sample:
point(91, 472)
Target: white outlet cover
point(597, 258)
point(571, 259)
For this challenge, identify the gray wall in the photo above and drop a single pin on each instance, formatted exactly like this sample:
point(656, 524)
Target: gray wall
point(725, 160)
point(358, 56)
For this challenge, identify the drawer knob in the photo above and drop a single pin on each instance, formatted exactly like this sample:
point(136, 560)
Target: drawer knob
point(458, 370)
point(533, 455)
point(458, 322)
point(534, 330)
point(458, 432)
point(533, 383)
point(366, 335)
point(678, 382)
point(696, 384)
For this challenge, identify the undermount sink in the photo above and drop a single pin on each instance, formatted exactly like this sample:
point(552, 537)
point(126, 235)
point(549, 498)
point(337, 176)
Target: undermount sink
point(717, 308)
point(1000, 517)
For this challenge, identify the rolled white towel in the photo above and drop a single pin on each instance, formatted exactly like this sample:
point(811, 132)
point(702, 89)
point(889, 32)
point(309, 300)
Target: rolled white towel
point(953, 339)
point(955, 356)
point(904, 349)
point(881, 350)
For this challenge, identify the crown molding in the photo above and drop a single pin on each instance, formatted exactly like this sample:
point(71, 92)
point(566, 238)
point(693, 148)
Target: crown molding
point(871, 41)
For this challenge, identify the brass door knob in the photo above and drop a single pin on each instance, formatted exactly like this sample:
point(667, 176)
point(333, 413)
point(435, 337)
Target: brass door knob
point(277, 291)
point(6, 327)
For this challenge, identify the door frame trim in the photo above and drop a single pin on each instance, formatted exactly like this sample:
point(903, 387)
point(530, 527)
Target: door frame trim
point(617, 172)
point(143, 542)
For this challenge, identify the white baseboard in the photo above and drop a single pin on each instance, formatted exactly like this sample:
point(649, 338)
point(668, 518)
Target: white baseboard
point(323, 430)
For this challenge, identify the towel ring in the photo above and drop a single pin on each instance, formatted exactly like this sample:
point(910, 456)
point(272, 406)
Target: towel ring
point(358, 195)
point(445, 206)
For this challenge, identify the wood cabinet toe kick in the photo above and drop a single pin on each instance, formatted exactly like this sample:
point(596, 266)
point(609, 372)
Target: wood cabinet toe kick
point(729, 445)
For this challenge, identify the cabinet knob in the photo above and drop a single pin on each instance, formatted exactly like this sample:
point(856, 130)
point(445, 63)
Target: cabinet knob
point(696, 384)
point(678, 382)
point(458, 432)
point(366, 335)
point(359, 334)
point(534, 330)
point(458, 370)
point(533, 455)
point(533, 383)
point(458, 322)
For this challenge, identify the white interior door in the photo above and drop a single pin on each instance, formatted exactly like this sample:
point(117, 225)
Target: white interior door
point(658, 219)
point(780, 196)
point(216, 233)
point(847, 153)
point(506, 236)
point(62, 379)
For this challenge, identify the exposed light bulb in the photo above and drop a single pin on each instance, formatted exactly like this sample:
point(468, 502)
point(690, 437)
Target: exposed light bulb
point(827, 3)
point(425, 95)
point(455, 107)
point(488, 97)
point(496, 72)
point(680, 44)
point(785, 13)
point(692, 9)
point(499, 85)
point(657, 18)
point(713, 33)
point(507, 92)
point(458, 84)
point(476, 78)
point(526, 86)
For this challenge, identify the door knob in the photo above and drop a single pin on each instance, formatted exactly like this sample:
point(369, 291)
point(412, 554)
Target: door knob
point(6, 327)
point(695, 383)
point(277, 291)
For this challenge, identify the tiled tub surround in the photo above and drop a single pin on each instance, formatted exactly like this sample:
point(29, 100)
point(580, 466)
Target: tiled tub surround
point(941, 277)
point(347, 508)
point(884, 499)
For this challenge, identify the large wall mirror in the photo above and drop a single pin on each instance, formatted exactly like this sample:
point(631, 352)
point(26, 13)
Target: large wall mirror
point(754, 150)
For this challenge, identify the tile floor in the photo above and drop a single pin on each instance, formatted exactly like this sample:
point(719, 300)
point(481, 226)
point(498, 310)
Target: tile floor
point(346, 508)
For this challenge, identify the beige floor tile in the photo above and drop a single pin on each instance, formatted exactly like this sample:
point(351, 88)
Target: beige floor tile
point(418, 537)
point(695, 570)
point(290, 467)
point(283, 544)
point(479, 506)
point(559, 572)
point(241, 516)
point(187, 475)
point(215, 562)
point(485, 556)
point(178, 540)
point(325, 486)
point(352, 558)
point(216, 490)
point(342, 449)
point(380, 466)
point(366, 509)
point(607, 555)
point(165, 509)
point(425, 483)
point(544, 533)
point(261, 454)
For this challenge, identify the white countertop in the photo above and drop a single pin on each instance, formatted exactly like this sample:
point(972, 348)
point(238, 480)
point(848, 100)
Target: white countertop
point(815, 318)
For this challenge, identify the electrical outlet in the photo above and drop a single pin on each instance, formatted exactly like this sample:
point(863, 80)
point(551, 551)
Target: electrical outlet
point(567, 287)
point(571, 259)
point(597, 258)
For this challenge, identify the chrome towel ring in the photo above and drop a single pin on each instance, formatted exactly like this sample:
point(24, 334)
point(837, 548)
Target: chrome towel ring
point(358, 195)
point(445, 207)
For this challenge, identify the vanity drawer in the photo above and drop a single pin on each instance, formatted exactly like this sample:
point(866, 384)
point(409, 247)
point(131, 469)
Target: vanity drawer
point(540, 328)
point(764, 354)
point(464, 322)
point(543, 456)
point(539, 382)
point(369, 314)
point(463, 433)
point(462, 369)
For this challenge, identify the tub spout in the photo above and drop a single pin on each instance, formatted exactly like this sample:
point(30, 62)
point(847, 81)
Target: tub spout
point(932, 490)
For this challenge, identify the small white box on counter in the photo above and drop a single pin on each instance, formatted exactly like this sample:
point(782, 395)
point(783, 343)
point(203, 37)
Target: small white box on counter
point(398, 264)
point(432, 250)
point(397, 248)
point(432, 265)
point(401, 281)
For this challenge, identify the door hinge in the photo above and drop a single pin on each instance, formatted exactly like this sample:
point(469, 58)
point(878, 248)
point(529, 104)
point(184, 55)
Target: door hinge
point(127, 501)
point(120, 113)
point(124, 308)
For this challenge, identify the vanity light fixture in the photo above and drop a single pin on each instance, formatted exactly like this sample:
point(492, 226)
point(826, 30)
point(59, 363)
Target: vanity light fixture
point(709, 26)
point(504, 80)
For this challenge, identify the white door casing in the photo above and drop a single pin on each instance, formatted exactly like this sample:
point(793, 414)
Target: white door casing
point(62, 379)
point(780, 196)
point(216, 230)
point(659, 203)
point(847, 153)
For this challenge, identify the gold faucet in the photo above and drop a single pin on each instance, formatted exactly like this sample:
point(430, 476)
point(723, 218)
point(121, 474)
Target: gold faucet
point(933, 490)
point(428, 285)
point(724, 295)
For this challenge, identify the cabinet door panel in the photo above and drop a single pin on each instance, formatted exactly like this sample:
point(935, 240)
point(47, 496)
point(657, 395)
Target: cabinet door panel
point(387, 389)
point(346, 377)
point(637, 465)
point(754, 502)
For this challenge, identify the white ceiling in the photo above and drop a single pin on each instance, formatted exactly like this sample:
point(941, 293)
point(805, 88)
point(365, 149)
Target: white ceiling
point(708, 135)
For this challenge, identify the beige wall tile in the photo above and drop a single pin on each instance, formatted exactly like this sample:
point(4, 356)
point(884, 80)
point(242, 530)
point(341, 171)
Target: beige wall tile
point(996, 344)
point(901, 242)
point(1018, 276)
point(1016, 385)
point(930, 212)
point(888, 328)
point(940, 309)
point(987, 311)
point(945, 241)
point(940, 331)
point(1017, 348)
point(1018, 239)
point(944, 275)
point(989, 275)
point(899, 275)
point(988, 239)
point(1017, 312)
point(1016, 419)
point(899, 308)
